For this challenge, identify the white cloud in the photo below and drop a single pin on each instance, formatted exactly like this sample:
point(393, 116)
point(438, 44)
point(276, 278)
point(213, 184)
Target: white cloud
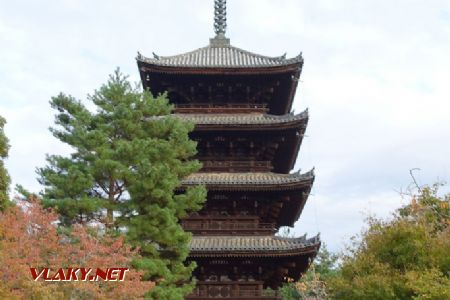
point(375, 80)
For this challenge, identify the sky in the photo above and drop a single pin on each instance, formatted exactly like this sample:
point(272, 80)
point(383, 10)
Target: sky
point(376, 81)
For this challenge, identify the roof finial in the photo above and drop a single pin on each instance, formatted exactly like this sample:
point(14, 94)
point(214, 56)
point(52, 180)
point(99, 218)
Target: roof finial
point(220, 17)
point(220, 24)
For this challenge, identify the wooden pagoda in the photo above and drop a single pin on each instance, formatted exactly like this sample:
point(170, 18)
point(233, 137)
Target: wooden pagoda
point(248, 143)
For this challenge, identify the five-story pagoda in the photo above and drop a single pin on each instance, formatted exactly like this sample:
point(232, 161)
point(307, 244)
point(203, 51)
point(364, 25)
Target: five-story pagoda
point(248, 143)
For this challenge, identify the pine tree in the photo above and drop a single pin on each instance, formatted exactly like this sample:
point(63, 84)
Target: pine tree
point(4, 177)
point(128, 159)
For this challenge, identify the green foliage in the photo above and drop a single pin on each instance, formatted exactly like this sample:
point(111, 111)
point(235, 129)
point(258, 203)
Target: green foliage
point(289, 291)
point(129, 157)
point(404, 258)
point(4, 177)
point(325, 264)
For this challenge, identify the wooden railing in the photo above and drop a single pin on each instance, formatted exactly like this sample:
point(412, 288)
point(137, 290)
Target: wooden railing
point(235, 289)
point(211, 226)
point(225, 108)
point(236, 166)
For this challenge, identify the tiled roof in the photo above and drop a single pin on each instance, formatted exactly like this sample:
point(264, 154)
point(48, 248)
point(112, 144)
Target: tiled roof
point(242, 119)
point(252, 178)
point(250, 244)
point(239, 118)
point(223, 56)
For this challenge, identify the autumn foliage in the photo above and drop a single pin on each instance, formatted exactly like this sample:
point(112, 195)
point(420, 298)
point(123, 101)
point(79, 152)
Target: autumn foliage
point(29, 237)
point(406, 257)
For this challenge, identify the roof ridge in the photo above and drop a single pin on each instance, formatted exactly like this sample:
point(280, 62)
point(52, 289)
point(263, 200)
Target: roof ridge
point(270, 236)
point(221, 55)
point(281, 57)
point(305, 112)
point(259, 178)
point(237, 118)
point(182, 54)
point(249, 243)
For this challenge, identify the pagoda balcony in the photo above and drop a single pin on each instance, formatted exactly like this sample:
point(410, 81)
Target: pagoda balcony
point(236, 166)
point(233, 290)
point(224, 108)
point(224, 226)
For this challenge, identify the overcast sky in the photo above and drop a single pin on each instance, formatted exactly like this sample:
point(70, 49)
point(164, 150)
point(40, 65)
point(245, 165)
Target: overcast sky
point(376, 81)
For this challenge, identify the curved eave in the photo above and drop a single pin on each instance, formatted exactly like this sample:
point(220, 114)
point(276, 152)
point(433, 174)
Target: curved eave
point(152, 68)
point(224, 61)
point(307, 248)
point(298, 122)
point(293, 127)
point(218, 58)
point(298, 143)
point(291, 211)
point(232, 122)
point(310, 251)
point(238, 181)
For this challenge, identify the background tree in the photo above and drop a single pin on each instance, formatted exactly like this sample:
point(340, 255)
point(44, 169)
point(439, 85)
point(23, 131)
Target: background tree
point(29, 238)
point(312, 285)
point(404, 258)
point(4, 177)
point(129, 157)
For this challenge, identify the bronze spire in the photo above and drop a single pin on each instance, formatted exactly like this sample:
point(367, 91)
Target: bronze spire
point(220, 17)
point(220, 24)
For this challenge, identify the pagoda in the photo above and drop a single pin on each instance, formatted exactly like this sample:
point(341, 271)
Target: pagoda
point(248, 141)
